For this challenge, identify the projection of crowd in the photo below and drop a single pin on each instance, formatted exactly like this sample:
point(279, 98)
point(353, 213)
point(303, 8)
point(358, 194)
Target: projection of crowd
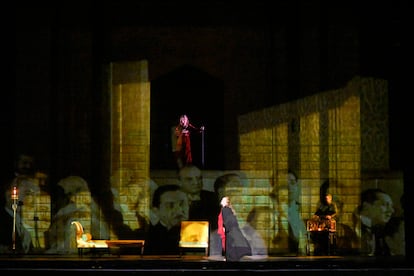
point(30, 227)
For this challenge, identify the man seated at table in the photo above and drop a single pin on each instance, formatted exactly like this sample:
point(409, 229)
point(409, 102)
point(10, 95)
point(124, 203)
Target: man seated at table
point(327, 211)
point(323, 220)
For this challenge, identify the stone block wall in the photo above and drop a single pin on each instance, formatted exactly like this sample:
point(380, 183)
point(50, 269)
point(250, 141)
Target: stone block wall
point(36, 216)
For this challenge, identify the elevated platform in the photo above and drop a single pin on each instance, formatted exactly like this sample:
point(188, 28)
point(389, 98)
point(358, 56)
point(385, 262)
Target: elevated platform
point(189, 264)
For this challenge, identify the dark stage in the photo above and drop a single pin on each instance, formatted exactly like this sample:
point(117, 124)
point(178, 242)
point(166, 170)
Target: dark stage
point(107, 264)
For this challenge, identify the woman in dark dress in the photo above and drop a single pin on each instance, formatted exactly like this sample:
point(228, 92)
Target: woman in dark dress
point(235, 243)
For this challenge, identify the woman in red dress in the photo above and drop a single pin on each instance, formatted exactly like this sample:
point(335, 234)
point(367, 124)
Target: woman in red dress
point(183, 144)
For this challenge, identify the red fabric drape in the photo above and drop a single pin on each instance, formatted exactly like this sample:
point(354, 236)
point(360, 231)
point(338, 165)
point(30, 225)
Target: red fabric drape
point(188, 159)
point(183, 146)
point(220, 231)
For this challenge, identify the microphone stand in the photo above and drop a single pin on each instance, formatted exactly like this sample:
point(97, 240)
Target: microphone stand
point(202, 145)
point(201, 129)
point(14, 198)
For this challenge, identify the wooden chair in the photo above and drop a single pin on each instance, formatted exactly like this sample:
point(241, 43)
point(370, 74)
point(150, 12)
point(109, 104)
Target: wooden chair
point(194, 235)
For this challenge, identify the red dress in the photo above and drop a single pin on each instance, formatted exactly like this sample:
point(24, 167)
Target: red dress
point(183, 147)
point(221, 231)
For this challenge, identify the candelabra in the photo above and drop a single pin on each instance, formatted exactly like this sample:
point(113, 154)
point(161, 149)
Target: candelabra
point(14, 197)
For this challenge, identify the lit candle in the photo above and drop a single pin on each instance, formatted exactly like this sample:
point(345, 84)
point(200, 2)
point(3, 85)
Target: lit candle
point(14, 193)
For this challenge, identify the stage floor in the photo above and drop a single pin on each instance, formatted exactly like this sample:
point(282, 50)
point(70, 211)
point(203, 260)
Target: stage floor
point(108, 264)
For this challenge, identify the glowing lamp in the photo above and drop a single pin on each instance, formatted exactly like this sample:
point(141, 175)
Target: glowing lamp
point(14, 194)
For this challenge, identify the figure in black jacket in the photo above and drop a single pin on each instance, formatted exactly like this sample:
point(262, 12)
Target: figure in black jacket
point(204, 204)
point(235, 243)
point(171, 207)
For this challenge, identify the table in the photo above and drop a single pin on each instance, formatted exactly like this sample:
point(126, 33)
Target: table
point(322, 233)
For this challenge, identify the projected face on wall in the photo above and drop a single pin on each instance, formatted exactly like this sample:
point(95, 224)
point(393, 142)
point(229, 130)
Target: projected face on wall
point(173, 208)
point(381, 210)
point(191, 180)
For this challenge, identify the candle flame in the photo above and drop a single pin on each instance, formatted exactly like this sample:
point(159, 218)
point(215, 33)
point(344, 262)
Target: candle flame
point(14, 193)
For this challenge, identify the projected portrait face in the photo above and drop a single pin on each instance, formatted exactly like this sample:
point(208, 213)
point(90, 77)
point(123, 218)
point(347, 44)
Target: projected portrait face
point(173, 208)
point(291, 178)
point(191, 180)
point(227, 185)
point(380, 210)
point(25, 165)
